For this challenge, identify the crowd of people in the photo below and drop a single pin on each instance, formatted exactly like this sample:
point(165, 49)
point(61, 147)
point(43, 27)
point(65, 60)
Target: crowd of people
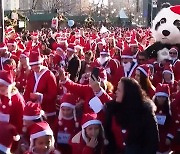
point(87, 91)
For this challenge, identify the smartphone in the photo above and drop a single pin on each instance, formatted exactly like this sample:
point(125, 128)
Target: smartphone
point(95, 73)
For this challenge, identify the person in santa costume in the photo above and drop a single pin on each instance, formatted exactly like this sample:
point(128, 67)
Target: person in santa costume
point(168, 78)
point(59, 59)
point(91, 140)
point(143, 78)
point(41, 86)
point(68, 124)
point(41, 139)
point(10, 101)
point(173, 53)
point(106, 62)
point(4, 54)
point(127, 68)
point(164, 119)
point(31, 115)
point(8, 136)
point(23, 71)
point(175, 107)
point(74, 63)
point(93, 94)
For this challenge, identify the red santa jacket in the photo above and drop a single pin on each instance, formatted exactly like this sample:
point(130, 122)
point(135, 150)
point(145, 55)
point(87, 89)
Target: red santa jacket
point(79, 146)
point(45, 85)
point(12, 112)
point(52, 152)
point(86, 93)
point(110, 66)
point(166, 129)
point(121, 73)
point(21, 79)
point(176, 70)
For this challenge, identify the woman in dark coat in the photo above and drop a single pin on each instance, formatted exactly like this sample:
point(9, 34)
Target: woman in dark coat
point(135, 114)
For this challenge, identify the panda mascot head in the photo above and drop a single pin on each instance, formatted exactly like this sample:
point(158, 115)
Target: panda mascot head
point(166, 31)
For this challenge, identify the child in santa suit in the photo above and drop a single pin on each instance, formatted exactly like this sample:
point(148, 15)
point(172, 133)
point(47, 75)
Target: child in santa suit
point(175, 106)
point(41, 86)
point(94, 95)
point(91, 139)
point(41, 139)
point(11, 102)
point(168, 78)
point(8, 135)
point(164, 118)
point(32, 114)
point(68, 125)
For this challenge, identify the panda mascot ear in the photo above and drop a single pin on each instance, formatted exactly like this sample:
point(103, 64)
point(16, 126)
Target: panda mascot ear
point(165, 5)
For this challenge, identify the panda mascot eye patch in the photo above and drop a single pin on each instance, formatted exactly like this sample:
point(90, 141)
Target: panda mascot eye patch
point(166, 32)
point(162, 21)
point(177, 24)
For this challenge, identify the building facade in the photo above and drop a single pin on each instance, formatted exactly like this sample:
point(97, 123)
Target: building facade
point(11, 5)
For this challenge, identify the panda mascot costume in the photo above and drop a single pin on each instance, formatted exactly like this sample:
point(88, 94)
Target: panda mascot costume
point(166, 31)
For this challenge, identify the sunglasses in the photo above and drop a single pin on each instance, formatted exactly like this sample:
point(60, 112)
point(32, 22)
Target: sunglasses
point(173, 53)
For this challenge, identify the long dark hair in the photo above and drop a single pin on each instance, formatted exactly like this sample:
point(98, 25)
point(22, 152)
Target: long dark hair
point(145, 82)
point(133, 102)
point(165, 107)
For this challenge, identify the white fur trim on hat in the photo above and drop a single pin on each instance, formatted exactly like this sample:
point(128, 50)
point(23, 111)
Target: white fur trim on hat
point(4, 82)
point(42, 133)
point(58, 48)
point(142, 70)
point(91, 122)
point(5, 48)
point(167, 71)
point(70, 49)
point(65, 104)
point(36, 62)
point(31, 117)
point(5, 149)
point(161, 94)
point(104, 53)
point(126, 56)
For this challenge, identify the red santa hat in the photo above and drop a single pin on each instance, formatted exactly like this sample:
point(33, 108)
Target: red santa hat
point(10, 30)
point(174, 48)
point(21, 46)
point(61, 47)
point(127, 53)
point(68, 100)
point(7, 79)
point(39, 129)
point(71, 47)
point(8, 134)
point(3, 46)
point(25, 53)
point(35, 58)
point(175, 9)
point(133, 42)
point(168, 69)
point(12, 42)
point(35, 35)
point(162, 90)
point(91, 119)
point(32, 111)
point(144, 69)
point(105, 51)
